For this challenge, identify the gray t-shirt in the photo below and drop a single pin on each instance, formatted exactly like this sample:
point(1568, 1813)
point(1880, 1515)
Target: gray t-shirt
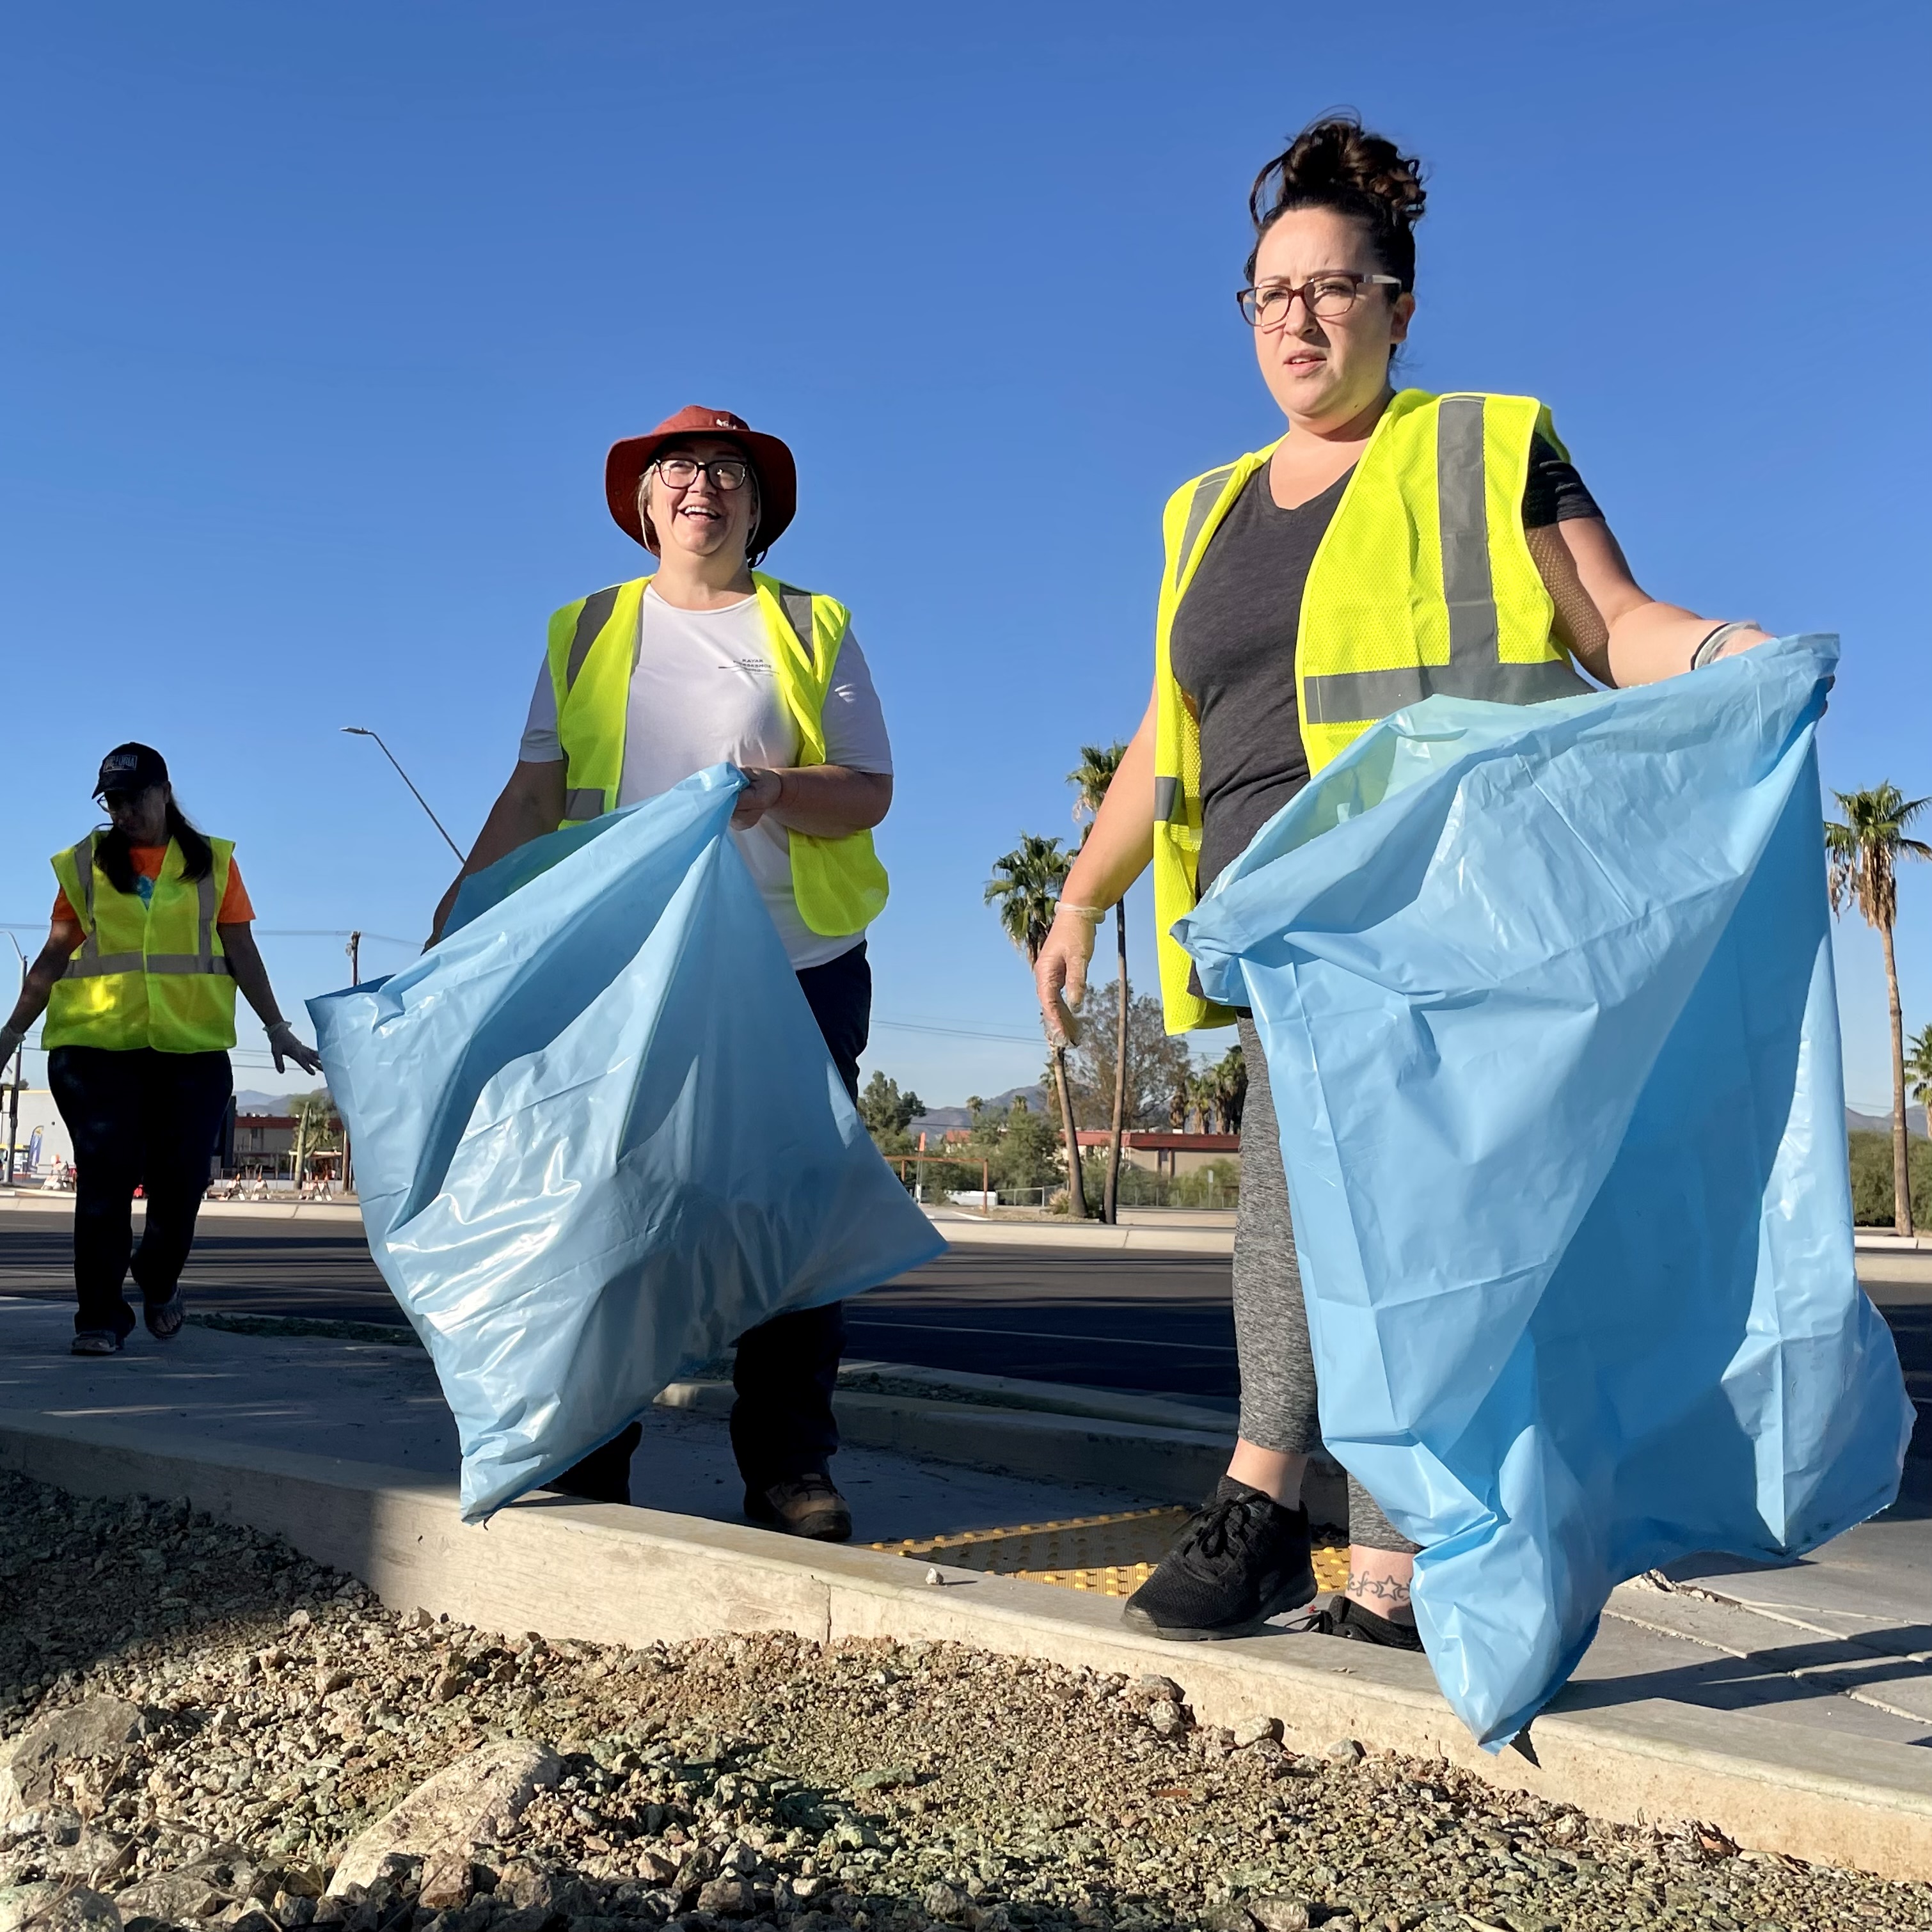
point(1232, 646)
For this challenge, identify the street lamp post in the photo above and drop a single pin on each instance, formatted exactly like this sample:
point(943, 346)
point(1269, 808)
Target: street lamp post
point(13, 1088)
point(363, 731)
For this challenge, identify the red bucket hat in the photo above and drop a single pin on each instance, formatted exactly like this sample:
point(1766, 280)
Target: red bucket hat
point(777, 474)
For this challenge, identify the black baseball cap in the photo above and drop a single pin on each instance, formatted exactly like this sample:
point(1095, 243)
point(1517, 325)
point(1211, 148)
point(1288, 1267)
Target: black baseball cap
point(131, 768)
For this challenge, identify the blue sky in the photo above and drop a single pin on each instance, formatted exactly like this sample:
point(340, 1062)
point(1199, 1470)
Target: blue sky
point(318, 320)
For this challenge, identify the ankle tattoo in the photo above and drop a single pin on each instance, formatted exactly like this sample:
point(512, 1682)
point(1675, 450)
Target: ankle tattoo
point(1393, 1591)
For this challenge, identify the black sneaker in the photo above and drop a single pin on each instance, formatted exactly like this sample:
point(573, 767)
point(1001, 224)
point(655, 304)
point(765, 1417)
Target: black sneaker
point(1242, 1559)
point(1345, 1618)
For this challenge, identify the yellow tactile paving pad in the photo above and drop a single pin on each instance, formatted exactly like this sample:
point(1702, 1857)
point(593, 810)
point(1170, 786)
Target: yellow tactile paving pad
point(1113, 1556)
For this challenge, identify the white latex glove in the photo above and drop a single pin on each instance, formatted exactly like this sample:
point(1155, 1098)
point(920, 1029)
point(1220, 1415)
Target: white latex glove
point(10, 1038)
point(284, 1045)
point(1059, 969)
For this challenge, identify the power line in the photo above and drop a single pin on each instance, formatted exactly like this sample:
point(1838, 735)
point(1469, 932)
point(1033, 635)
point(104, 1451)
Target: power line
point(959, 1033)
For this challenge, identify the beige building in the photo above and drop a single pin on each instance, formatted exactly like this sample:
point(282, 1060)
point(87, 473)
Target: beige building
point(1167, 1154)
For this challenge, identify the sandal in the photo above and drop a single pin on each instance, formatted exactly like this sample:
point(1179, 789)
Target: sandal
point(164, 1319)
point(96, 1342)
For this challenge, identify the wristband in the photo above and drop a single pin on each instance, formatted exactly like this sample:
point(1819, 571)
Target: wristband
point(1092, 915)
point(1714, 640)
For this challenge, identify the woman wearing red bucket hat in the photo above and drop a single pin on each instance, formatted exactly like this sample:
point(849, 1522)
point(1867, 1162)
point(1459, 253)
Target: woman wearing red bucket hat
point(629, 701)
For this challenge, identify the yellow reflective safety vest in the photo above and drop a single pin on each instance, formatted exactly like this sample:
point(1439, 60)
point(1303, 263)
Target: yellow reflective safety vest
point(153, 975)
point(838, 884)
point(1423, 583)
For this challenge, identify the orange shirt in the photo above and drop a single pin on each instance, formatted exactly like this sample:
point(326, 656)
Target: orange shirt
point(236, 908)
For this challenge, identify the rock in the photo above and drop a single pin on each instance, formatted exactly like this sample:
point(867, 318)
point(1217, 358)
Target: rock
point(1226, 1918)
point(1167, 1718)
point(1344, 1750)
point(331, 1677)
point(941, 1901)
point(1257, 1730)
point(101, 1727)
point(177, 1898)
point(888, 1778)
point(445, 1819)
point(1279, 1913)
point(1153, 1688)
point(293, 1909)
point(55, 1825)
point(95, 1857)
point(56, 1908)
point(730, 1897)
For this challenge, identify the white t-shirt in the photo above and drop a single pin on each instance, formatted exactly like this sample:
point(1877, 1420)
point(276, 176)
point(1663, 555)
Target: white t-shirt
point(702, 692)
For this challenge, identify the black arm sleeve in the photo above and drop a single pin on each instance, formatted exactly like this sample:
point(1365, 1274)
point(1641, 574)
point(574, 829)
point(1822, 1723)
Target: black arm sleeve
point(1554, 492)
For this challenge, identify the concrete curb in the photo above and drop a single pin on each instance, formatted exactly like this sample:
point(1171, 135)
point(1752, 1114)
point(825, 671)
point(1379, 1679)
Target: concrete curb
point(1050, 1398)
point(1167, 1465)
point(1083, 1236)
point(31, 1202)
point(615, 1575)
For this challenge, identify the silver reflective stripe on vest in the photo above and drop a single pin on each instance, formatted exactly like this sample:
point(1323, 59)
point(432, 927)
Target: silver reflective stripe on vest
point(583, 805)
point(1169, 807)
point(98, 965)
point(1207, 494)
point(796, 605)
point(591, 619)
point(204, 907)
point(90, 946)
point(91, 963)
point(1473, 671)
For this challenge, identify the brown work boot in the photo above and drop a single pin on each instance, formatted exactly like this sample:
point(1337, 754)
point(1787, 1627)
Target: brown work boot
point(806, 1505)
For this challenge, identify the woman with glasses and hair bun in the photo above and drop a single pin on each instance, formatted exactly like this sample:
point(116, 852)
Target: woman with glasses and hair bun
point(1389, 544)
point(150, 942)
point(710, 661)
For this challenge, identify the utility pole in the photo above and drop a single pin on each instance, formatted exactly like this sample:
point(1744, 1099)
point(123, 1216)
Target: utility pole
point(354, 949)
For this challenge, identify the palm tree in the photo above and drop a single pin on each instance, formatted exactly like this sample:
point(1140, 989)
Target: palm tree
point(1919, 1069)
point(1864, 850)
point(1090, 779)
point(1230, 1088)
point(1025, 886)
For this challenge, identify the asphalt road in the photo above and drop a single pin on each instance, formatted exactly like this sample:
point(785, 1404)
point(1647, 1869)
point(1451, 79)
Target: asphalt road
point(1158, 1323)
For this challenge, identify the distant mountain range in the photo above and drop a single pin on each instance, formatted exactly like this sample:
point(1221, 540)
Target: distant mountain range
point(944, 1119)
point(247, 1101)
point(1856, 1123)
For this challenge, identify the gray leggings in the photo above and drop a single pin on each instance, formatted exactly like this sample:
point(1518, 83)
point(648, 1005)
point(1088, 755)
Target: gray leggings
point(1278, 1398)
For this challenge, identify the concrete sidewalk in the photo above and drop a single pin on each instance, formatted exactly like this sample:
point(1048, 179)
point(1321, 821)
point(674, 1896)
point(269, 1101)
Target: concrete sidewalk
point(1841, 1642)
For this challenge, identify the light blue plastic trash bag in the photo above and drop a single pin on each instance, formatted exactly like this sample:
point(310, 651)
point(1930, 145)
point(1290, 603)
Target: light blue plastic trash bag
point(1546, 999)
point(598, 1134)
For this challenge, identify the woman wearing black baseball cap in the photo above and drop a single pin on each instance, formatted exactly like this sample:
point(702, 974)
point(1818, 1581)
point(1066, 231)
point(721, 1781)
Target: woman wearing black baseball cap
point(148, 943)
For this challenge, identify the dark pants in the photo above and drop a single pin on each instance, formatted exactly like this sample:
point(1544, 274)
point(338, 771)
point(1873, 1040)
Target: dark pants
point(136, 1118)
point(781, 1423)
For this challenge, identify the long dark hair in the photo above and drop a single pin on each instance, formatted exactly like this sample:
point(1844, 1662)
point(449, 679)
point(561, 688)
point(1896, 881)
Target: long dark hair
point(112, 855)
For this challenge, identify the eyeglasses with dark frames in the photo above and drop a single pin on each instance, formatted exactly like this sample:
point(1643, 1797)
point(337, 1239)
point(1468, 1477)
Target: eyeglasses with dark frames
point(1328, 297)
point(727, 472)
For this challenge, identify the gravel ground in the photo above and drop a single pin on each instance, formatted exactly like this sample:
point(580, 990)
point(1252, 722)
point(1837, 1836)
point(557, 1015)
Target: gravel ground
point(758, 1781)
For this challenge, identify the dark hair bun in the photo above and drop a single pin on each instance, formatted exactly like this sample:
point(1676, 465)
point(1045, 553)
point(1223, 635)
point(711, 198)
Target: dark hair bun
point(1335, 163)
